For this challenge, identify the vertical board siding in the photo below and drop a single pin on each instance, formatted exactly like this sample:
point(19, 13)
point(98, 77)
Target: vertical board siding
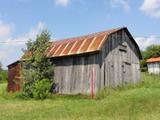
point(121, 67)
point(73, 74)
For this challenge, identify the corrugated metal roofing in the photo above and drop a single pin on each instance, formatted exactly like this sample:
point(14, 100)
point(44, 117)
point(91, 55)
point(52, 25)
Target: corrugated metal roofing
point(79, 45)
point(151, 60)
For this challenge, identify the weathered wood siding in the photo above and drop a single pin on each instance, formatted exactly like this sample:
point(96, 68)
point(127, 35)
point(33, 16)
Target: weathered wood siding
point(73, 74)
point(120, 61)
point(117, 63)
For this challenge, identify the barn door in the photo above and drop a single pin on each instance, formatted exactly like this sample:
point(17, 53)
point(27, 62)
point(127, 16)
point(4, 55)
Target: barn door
point(126, 72)
point(124, 64)
point(109, 74)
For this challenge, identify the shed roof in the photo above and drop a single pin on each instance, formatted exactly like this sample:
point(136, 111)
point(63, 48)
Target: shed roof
point(79, 45)
point(83, 44)
point(155, 59)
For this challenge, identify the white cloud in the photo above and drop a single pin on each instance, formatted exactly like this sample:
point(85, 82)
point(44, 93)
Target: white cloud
point(5, 30)
point(144, 42)
point(151, 8)
point(120, 3)
point(32, 33)
point(24, 38)
point(12, 46)
point(3, 54)
point(62, 2)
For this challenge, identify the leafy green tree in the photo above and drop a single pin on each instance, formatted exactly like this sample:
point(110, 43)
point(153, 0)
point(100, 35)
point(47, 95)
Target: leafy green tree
point(151, 51)
point(36, 66)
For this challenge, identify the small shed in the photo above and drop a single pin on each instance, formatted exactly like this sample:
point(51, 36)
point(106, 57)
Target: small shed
point(89, 63)
point(153, 65)
point(14, 76)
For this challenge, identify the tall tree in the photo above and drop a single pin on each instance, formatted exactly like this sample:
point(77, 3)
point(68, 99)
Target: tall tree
point(36, 66)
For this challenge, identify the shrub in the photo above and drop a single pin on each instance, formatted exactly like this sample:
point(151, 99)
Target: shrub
point(27, 90)
point(41, 89)
point(3, 75)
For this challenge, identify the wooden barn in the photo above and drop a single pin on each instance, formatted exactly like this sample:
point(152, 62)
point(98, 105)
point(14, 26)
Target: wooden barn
point(91, 62)
point(153, 65)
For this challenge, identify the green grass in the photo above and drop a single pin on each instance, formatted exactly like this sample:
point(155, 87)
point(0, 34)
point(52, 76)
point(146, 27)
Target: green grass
point(140, 102)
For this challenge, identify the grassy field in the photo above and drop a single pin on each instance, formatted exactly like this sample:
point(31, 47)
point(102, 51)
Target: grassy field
point(141, 102)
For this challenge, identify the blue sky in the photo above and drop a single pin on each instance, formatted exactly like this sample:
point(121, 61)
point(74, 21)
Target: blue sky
point(21, 20)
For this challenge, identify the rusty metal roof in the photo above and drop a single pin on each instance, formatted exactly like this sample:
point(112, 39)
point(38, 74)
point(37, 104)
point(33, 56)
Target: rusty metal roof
point(151, 60)
point(79, 45)
point(82, 44)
